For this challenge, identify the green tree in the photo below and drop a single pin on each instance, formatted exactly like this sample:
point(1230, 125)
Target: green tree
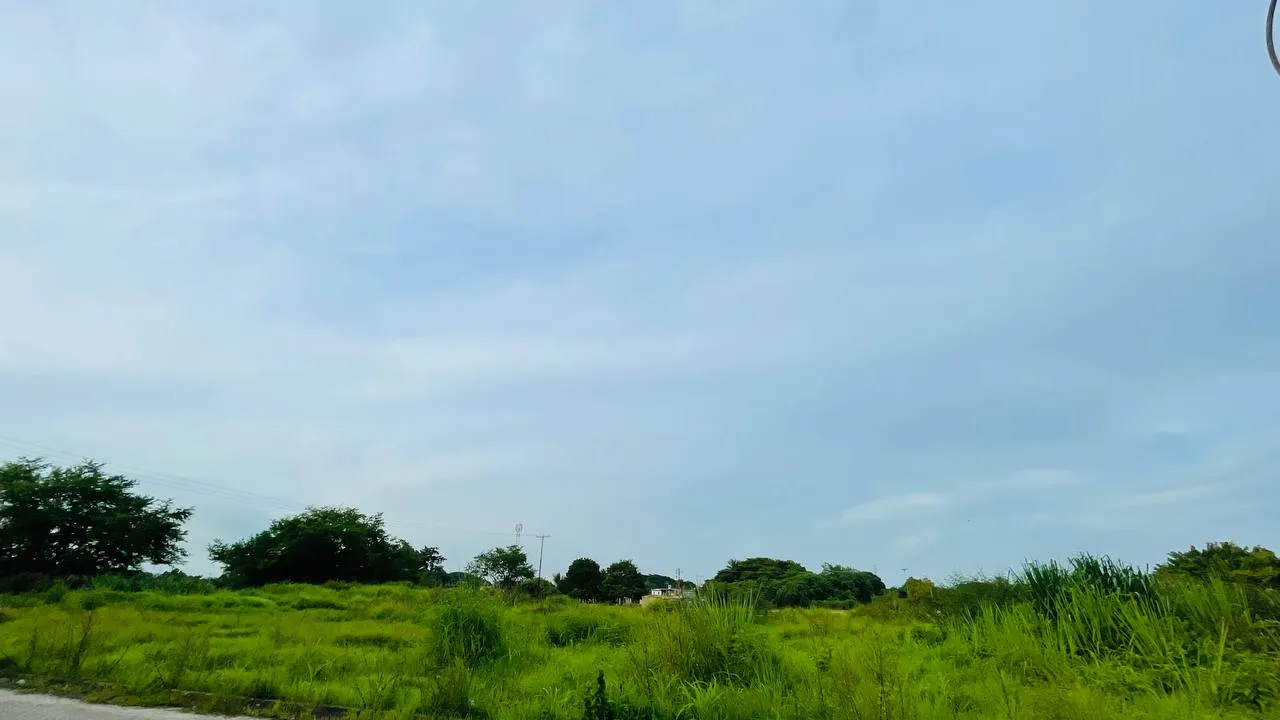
point(537, 588)
point(323, 544)
point(655, 581)
point(623, 581)
point(464, 579)
point(800, 589)
point(918, 589)
point(583, 580)
point(431, 570)
point(1226, 561)
point(757, 569)
point(80, 521)
point(851, 585)
point(502, 566)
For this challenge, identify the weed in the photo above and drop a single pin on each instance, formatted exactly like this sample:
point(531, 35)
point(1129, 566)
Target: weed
point(1085, 640)
point(467, 628)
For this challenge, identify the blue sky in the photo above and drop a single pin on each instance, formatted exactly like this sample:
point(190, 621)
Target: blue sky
point(911, 285)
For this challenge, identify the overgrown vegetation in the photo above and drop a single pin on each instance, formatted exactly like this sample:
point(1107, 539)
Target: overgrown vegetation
point(325, 613)
point(1090, 639)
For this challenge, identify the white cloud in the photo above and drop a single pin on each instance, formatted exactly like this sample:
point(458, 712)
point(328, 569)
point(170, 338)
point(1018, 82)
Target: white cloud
point(888, 508)
point(1172, 495)
point(628, 261)
point(910, 506)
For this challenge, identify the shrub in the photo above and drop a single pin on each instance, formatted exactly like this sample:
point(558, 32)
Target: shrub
point(707, 641)
point(467, 628)
point(311, 602)
point(569, 629)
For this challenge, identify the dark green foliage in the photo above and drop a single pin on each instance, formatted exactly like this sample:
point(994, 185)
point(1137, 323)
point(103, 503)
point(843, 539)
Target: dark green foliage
point(785, 583)
point(81, 522)
point(430, 565)
point(324, 544)
point(655, 581)
point(623, 581)
point(536, 588)
point(173, 582)
point(464, 579)
point(967, 596)
point(1225, 561)
point(800, 590)
point(583, 580)
point(849, 584)
point(757, 569)
point(597, 703)
point(505, 567)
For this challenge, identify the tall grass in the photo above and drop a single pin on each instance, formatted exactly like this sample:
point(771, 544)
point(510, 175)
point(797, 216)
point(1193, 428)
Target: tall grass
point(711, 640)
point(467, 629)
point(1088, 639)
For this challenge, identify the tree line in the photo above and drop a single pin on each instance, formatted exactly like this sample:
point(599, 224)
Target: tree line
point(79, 522)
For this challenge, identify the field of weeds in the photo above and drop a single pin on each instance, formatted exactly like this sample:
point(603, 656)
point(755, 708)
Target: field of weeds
point(1075, 646)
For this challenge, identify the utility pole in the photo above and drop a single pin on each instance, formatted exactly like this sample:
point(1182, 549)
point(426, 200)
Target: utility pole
point(542, 540)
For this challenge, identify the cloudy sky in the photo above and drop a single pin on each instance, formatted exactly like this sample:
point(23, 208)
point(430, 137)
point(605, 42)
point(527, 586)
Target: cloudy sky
point(900, 285)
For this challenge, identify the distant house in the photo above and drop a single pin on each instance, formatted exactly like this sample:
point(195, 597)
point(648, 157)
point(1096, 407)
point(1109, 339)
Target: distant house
point(669, 593)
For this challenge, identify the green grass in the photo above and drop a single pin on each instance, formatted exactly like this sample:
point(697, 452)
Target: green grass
point(1088, 641)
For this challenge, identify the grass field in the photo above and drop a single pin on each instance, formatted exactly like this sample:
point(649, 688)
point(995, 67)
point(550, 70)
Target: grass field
point(1194, 651)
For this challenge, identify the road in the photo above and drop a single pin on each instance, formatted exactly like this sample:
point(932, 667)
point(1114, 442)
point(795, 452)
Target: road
point(21, 706)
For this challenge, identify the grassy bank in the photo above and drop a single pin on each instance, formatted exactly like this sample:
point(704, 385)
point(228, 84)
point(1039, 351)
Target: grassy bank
point(1068, 649)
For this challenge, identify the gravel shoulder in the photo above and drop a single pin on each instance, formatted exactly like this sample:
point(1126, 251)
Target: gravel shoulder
point(30, 706)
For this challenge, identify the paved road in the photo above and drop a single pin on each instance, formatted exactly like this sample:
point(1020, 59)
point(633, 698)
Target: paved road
point(21, 706)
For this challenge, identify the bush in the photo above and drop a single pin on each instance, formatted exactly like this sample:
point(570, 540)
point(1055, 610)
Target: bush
point(313, 602)
point(467, 628)
point(25, 582)
point(536, 588)
point(569, 629)
point(707, 641)
point(968, 596)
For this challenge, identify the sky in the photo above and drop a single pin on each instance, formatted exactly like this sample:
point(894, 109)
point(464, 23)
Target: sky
point(918, 287)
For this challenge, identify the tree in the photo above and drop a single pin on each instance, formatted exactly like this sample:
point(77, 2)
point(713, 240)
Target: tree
point(655, 581)
point(1226, 561)
point(918, 589)
point(80, 521)
point(431, 567)
point(502, 566)
point(537, 588)
point(802, 589)
point(848, 584)
point(758, 568)
point(323, 544)
point(583, 580)
point(464, 579)
point(623, 581)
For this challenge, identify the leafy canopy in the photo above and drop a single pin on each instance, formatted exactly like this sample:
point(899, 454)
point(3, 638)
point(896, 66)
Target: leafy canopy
point(583, 580)
point(80, 521)
point(505, 567)
point(323, 544)
point(786, 583)
point(1226, 561)
point(623, 581)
